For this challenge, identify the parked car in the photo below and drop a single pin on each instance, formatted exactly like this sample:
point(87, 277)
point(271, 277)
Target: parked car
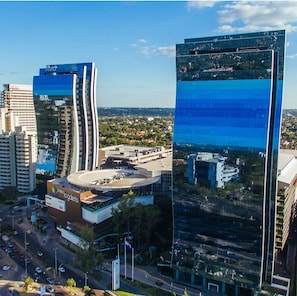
point(50, 289)
point(5, 267)
point(38, 269)
point(37, 276)
point(61, 269)
point(50, 280)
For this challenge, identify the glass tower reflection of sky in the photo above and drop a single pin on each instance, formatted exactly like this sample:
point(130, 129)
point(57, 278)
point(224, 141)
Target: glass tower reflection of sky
point(67, 120)
point(226, 136)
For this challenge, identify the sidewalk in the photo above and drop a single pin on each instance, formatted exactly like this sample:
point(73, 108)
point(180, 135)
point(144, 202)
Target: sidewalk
point(150, 276)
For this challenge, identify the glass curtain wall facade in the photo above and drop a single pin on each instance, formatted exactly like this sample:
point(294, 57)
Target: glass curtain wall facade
point(226, 139)
point(67, 120)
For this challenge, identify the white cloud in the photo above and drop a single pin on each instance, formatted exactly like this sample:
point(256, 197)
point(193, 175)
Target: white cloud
point(147, 50)
point(153, 50)
point(201, 4)
point(168, 51)
point(138, 42)
point(292, 56)
point(241, 16)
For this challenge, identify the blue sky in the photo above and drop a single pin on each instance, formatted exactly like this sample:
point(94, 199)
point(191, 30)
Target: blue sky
point(131, 42)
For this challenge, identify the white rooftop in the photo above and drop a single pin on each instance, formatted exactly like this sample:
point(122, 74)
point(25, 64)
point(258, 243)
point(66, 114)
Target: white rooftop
point(287, 166)
point(110, 180)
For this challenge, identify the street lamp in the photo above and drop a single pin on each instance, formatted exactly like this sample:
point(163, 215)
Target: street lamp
point(25, 240)
point(56, 262)
point(86, 279)
point(60, 269)
point(12, 221)
point(26, 262)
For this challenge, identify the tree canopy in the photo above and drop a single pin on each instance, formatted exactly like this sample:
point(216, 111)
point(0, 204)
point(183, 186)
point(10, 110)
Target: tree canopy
point(88, 256)
point(131, 216)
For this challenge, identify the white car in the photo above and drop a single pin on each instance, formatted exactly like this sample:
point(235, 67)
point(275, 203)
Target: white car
point(5, 267)
point(37, 276)
point(50, 280)
point(61, 269)
point(38, 270)
point(50, 289)
point(39, 253)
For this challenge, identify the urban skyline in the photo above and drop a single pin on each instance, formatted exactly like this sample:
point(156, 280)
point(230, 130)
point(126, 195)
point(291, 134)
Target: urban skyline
point(132, 42)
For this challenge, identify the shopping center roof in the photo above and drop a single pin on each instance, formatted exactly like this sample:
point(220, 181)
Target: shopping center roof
point(110, 180)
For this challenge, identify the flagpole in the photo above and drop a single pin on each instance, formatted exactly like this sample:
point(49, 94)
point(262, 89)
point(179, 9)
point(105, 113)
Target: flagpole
point(125, 258)
point(132, 264)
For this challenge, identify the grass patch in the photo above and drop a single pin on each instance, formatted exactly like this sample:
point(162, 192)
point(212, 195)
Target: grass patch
point(123, 293)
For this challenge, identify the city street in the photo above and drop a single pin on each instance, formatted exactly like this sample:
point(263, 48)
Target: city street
point(40, 249)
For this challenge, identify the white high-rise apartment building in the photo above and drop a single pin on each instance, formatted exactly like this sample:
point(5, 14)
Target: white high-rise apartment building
point(18, 154)
point(18, 99)
point(7, 154)
point(18, 139)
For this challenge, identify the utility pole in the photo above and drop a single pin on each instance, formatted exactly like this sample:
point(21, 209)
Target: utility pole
point(56, 262)
point(86, 279)
point(26, 269)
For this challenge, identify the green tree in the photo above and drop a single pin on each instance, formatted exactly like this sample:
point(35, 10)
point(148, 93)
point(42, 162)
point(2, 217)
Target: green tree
point(99, 259)
point(139, 214)
point(135, 217)
point(71, 283)
point(145, 219)
point(85, 255)
point(88, 291)
point(8, 194)
point(6, 228)
point(28, 282)
point(135, 130)
point(152, 217)
point(122, 214)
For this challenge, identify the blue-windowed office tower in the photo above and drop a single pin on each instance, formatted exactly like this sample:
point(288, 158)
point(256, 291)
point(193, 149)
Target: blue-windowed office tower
point(226, 139)
point(67, 120)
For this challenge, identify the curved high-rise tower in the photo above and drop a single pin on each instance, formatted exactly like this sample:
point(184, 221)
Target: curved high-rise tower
point(67, 120)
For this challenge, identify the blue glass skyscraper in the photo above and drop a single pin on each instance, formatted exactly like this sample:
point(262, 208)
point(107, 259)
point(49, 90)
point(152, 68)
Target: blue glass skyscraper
point(226, 138)
point(67, 120)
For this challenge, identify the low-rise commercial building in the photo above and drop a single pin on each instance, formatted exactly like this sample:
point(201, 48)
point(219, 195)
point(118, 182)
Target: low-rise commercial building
point(88, 197)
